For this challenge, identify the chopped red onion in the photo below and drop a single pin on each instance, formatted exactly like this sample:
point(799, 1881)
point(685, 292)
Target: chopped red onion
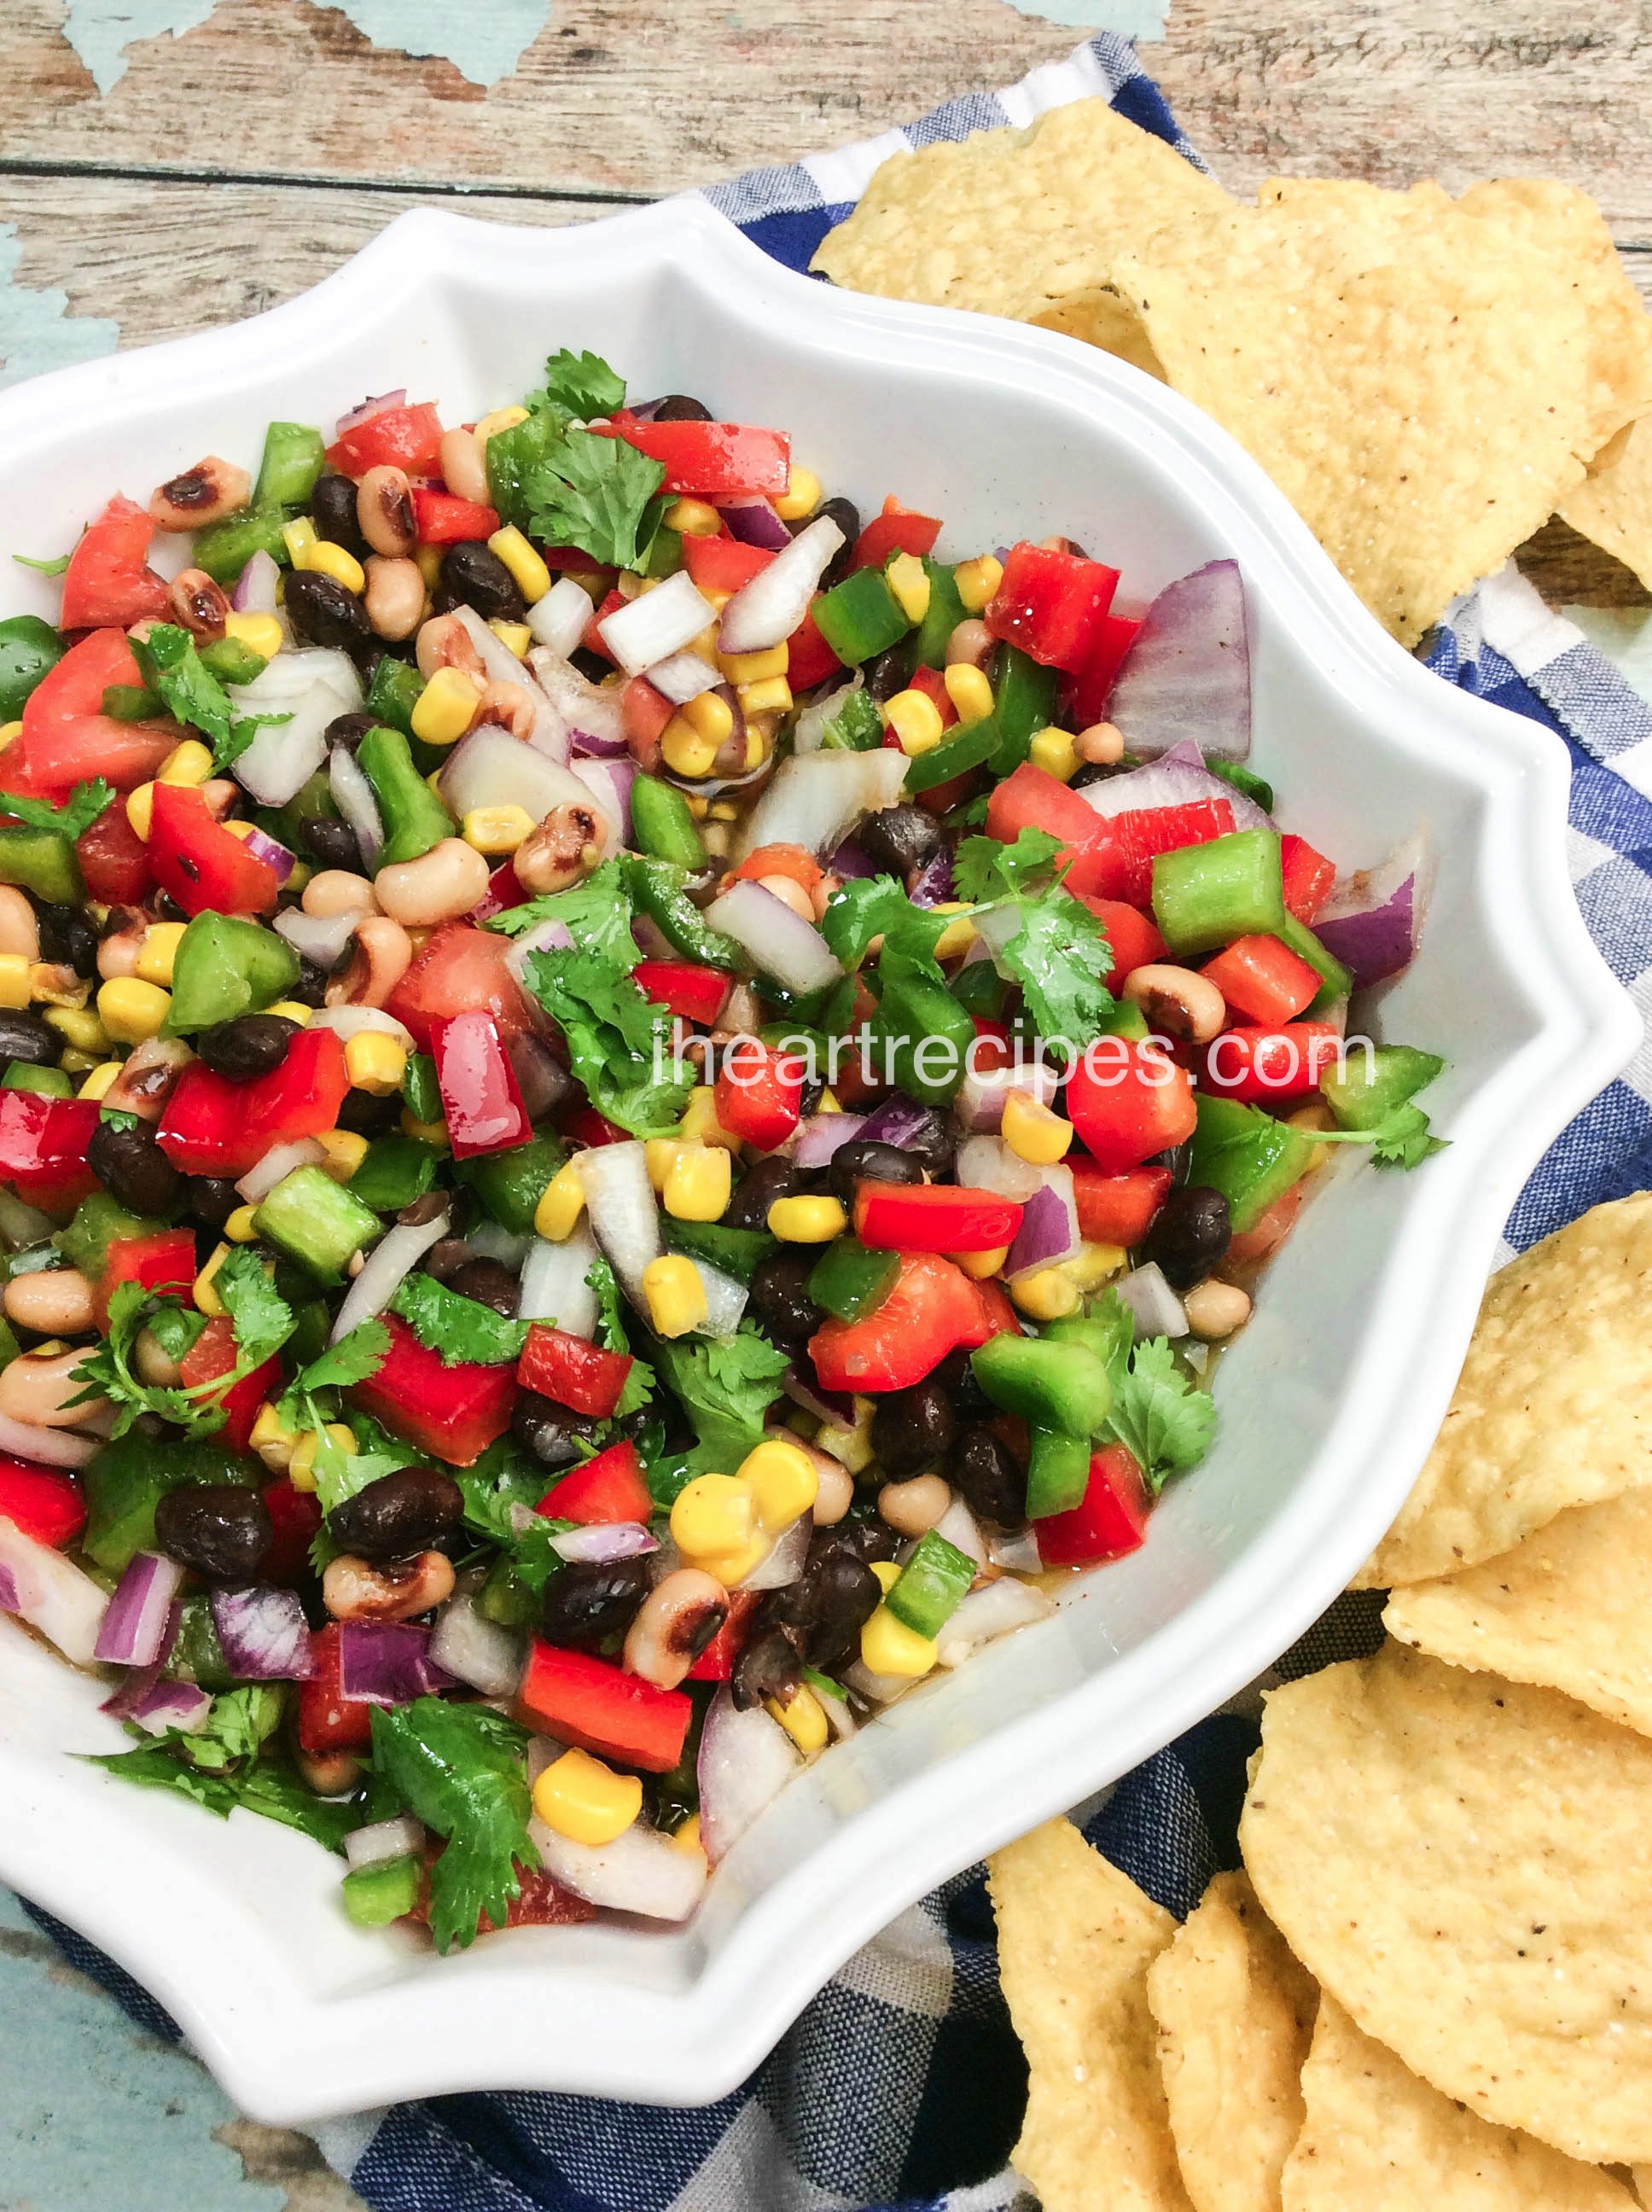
point(391, 1260)
point(642, 1871)
point(139, 1626)
point(786, 1558)
point(490, 768)
point(765, 611)
point(778, 942)
point(352, 795)
point(836, 1407)
point(320, 938)
point(264, 1635)
point(979, 1103)
point(272, 854)
point(554, 1285)
point(1187, 673)
point(475, 1651)
point(1158, 1310)
point(182, 1706)
point(851, 863)
point(657, 623)
point(384, 1840)
point(754, 522)
point(817, 799)
point(387, 1662)
point(310, 686)
point(985, 1614)
point(684, 675)
point(899, 1121)
point(51, 1593)
point(586, 747)
point(256, 586)
point(609, 782)
point(1177, 778)
point(934, 883)
point(559, 619)
point(1374, 918)
point(50, 1447)
point(9, 1600)
point(598, 1542)
point(620, 1206)
point(367, 409)
point(746, 1760)
point(821, 1136)
point(1049, 1226)
point(541, 1077)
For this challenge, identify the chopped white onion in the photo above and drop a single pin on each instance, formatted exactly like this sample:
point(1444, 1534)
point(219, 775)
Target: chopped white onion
point(558, 621)
point(620, 1206)
point(580, 703)
point(726, 1300)
point(765, 611)
point(777, 941)
point(502, 665)
point(995, 1609)
point(876, 1689)
point(783, 1563)
point(478, 1652)
point(684, 675)
point(608, 782)
point(393, 1259)
point(809, 728)
point(490, 768)
point(384, 1840)
point(63, 1447)
point(817, 799)
point(957, 1525)
point(1017, 1552)
point(346, 1022)
point(656, 624)
point(544, 937)
point(988, 1163)
point(979, 1103)
point(1158, 1310)
point(320, 938)
point(313, 685)
point(352, 795)
point(278, 1163)
point(746, 1760)
point(52, 1594)
point(554, 1285)
point(491, 1240)
point(640, 1871)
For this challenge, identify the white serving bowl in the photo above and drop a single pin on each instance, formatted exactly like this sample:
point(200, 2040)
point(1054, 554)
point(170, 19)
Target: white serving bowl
point(1329, 1400)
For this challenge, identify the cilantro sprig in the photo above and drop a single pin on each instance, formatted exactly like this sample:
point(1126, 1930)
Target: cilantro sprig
point(726, 1387)
point(600, 493)
point(619, 1040)
point(610, 1335)
point(1157, 1413)
point(1058, 952)
point(72, 819)
point(173, 670)
point(460, 1329)
point(597, 912)
point(580, 384)
point(462, 1770)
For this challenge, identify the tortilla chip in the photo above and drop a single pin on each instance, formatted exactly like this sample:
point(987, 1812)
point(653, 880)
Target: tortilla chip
point(1553, 1408)
point(1462, 1863)
point(1570, 1607)
point(1100, 318)
point(1643, 2180)
point(1075, 1940)
point(1008, 220)
point(1378, 2139)
point(1235, 2014)
point(1613, 504)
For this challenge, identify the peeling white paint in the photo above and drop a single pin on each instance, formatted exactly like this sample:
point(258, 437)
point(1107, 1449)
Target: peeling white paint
point(37, 332)
point(1131, 19)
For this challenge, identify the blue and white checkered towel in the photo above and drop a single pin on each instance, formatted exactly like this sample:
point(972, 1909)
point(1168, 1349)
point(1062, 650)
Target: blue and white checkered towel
point(900, 2089)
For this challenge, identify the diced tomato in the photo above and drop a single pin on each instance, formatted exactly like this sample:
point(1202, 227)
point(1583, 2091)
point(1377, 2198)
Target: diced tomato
point(541, 1902)
point(164, 1261)
point(1262, 979)
point(67, 739)
point(1110, 1520)
point(459, 968)
point(214, 1352)
point(451, 1413)
point(503, 892)
point(897, 529)
point(1116, 1209)
point(809, 659)
point(940, 798)
point(1087, 693)
point(213, 1126)
point(998, 1315)
point(805, 870)
point(932, 684)
point(442, 518)
point(295, 1517)
point(114, 860)
point(716, 1663)
point(1032, 799)
point(993, 1045)
point(40, 1502)
point(1270, 1067)
point(934, 1217)
point(573, 1371)
point(932, 1309)
point(108, 582)
point(718, 462)
point(610, 1487)
point(645, 713)
point(43, 1144)
point(1308, 877)
point(1128, 1100)
point(406, 438)
point(694, 993)
point(482, 1101)
point(200, 864)
point(328, 1721)
point(1132, 934)
point(585, 1126)
point(583, 1700)
point(1051, 604)
point(1252, 1246)
point(759, 1094)
point(722, 564)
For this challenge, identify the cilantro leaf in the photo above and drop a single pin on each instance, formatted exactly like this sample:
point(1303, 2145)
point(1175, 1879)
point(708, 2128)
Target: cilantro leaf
point(228, 1764)
point(534, 1558)
point(1404, 1140)
point(597, 913)
point(983, 868)
point(726, 1388)
point(264, 1320)
point(237, 1728)
point(1159, 1416)
point(72, 819)
point(173, 670)
point(598, 494)
point(352, 1359)
point(1054, 948)
point(44, 568)
point(580, 384)
point(504, 1477)
point(461, 1769)
point(610, 1335)
point(619, 1042)
point(461, 1329)
point(860, 910)
point(107, 1371)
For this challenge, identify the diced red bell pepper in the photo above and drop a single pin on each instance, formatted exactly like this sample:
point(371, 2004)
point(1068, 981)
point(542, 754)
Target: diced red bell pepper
point(1051, 604)
point(214, 1352)
point(932, 1309)
point(645, 713)
point(1128, 1100)
point(43, 1144)
point(1132, 934)
point(67, 739)
point(591, 637)
point(295, 1517)
point(933, 1216)
point(759, 1094)
point(1116, 1209)
point(503, 892)
point(443, 519)
point(716, 1663)
point(451, 1413)
point(714, 461)
point(809, 659)
point(608, 1488)
point(932, 684)
point(114, 860)
point(696, 994)
point(1087, 692)
point(1032, 799)
point(201, 864)
point(722, 564)
point(897, 529)
point(1110, 1520)
point(108, 582)
point(406, 438)
point(585, 1126)
point(541, 1902)
point(481, 1099)
point(993, 1045)
point(213, 1126)
point(1123, 860)
point(328, 1721)
point(1262, 979)
point(1270, 1067)
point(163, 1261)
point(589, 1702)
point(1308, 875)
point(460, 969)
point(573, 1371)
point(40, 1502)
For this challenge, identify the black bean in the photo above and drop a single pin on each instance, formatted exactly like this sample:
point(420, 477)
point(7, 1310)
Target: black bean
point(779, 1300)
point(1179, 1158)
point(349, 730)
point(911, 1429)
point(332, 843)
point(846, 1593)
point(586, 1603)
point(768, 1666)
point(311, 988)
point(333, 509)
point(886, 673)
point(956, 1377)
point(847, 515)
point(897, 839)
point(68, 939)
point(250, 1046)
point(210, 1201)
point(1189, 1235)
point(542, 1427)
point(444, 1261)
point(865, 1156)
point(982, 1469)
point(132, 1168)
point(366, 1115)
point(25, 1036)
point(490, 1283)
point(415, 1509)
point(867, 1539)
point(324, 613)
point(220, 1529)
point(757, 1190)
point(678, 407)
point(475, 576)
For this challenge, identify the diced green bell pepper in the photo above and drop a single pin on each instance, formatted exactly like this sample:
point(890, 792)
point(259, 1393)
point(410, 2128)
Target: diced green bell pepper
point(980, 989)
point(1364, 1090)
point(849, 1282)
point(504, 1599)
point(510, 1183)
point(662, 826)
point(1254, 787)
point(930, 1586)
point(1205, 895)
point(42, 861)
point(1023, 702)
point(293, 455)
point(857, 727)
point(664, 553)
point(223, 548)
point(44, 1082)
point(912, 1009)
point(394, 1171)
point(738, 1252)
point(394, 693)
point(131, 702)
point(860, 617)
point(231, 661)
point(1335, 981)
point(96, 1223)
point(1057, 1472)
point(942, 615)
point(375, 1895)
point(954, 756)
point(1050, 1384)
point(318, 1221)
point(413, 818)
point(29, 649)
point(656, 888)
point(1251, 1158)
point(196, 1656)
point(226, 966)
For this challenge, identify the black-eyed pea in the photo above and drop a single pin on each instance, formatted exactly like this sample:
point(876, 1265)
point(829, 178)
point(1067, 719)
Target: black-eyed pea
point(1215, 1309)
point(20, 933)
point(394, 598)
point(333, 891)
point(464, 467)
point(206, 492)
point(354, 1589)
point(1177, 1002)
point(384, 513)
point(1100, 746)
point(50, 1301)
point(38, 1388)
point(567, 845)
point(381, 952)
point(912, 1508)
point(442, 884)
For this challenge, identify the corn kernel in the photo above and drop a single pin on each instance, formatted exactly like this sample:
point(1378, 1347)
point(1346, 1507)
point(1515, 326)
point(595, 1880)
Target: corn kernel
point(801, 496)
point(888, 1646)
point(188, 763)
point(557, 1214)
point(700, 1183)
point(374, 1063)
point(98, 1082)
point(674, 1291)
point(771, 696)
point(709, 716)
point(712, 1515)
point(980, 1267)
point(7, 731)
point(755, 747)
point(1052, 750)
point(1092, 1265)
point(292, 1010)
point(586, 1801)
point(686, 1837)
point(205, 1295)
point(14, 980)
point(298, 537)
point(684, 751)
point(445, 707)
point(426, 559)
point(958, 935)
point(1033, 1132)
point(531, 576)
point(969, 691)
point(693, 518)
point(731, 1568)
point(140, 810)
point(783, 1481)
point(915, 719)
point(502, 418)
point(722, 810)
point(976, 582)
point(700, 1125)
point(132, 1010)
point(301, 1469)
point(495, 830)
point(1050, 1295)
point(272, 1442)
point(240, 1229)
point(158, 951)
point(659, 1153)
point(324, 558)
point(804, 1719)
point(755, 667)
point(425, 1132)
point(345, 1150)
point(515, 637)
point(80, 1027)
point(241, 829)
point(697, 806)
point(807, 1220)
point(257, 633)
point(909, 579)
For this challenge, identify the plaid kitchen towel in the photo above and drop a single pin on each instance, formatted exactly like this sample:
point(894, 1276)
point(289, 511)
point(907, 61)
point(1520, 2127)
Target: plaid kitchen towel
point(901, 2086)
